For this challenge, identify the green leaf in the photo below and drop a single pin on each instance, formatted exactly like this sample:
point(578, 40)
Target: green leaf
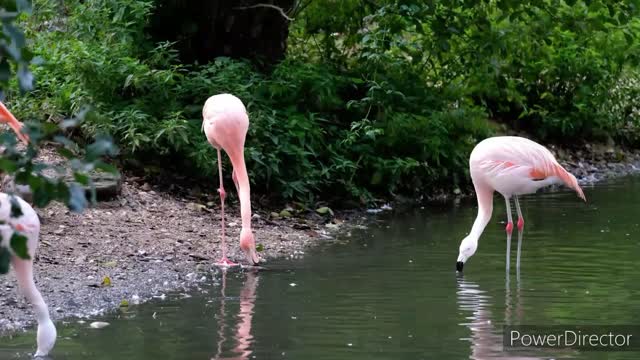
point(69, 123)
point(102, 146)
point(77, 198)
point(5, 260)
point(16, 209)
point(7, 165)
point(25, 78)
point(106, 167)
point(5, 70)
point(24, 6)
point(324, 210)
point(81, 178)
point(19, 245)
point(68, 154)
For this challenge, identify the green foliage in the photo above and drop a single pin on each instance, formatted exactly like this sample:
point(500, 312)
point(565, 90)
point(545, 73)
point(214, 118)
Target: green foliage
point(550, 63)
point(5, 260)
point(21, 165)
point(19, 245)
point(15, 59)
point(375, 98)
point(621, 107)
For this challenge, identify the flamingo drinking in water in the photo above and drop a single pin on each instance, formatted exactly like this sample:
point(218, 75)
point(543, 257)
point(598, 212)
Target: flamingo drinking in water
point(28, 225)
point(225, 124)
point(511, 166)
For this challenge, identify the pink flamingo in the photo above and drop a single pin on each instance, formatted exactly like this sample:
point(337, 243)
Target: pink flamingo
point(28, 225)
point(511, 166)
point(8, 118)
point(225, 124)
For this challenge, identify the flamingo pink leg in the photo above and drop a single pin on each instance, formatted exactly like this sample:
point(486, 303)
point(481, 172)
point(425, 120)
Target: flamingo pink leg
point(520, 231)
point(509, 230)
point(224, 261)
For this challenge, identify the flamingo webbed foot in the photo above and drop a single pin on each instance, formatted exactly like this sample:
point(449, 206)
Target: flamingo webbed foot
point(224, 262)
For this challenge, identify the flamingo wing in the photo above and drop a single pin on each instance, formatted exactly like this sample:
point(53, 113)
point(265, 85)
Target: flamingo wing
point(515, 165)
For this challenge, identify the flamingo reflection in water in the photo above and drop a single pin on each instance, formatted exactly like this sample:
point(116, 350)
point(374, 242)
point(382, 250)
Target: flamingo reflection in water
point(242, 335)
point(486, 342)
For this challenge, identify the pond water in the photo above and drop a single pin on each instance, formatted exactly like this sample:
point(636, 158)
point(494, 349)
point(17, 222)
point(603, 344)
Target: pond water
point(391, 292)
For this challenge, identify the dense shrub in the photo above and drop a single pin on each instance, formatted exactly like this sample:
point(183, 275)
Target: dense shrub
point(374, 98)
point(67, 184)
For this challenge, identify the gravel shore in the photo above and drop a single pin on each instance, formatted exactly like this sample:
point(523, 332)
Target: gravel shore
point(147, 242)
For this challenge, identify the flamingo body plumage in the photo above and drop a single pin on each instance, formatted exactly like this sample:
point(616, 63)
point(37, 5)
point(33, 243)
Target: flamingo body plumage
point(28, 225)
point(225, 124)
point(511, 166)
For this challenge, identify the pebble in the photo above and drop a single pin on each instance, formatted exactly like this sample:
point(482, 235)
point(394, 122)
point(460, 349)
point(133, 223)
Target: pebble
point(98, 324)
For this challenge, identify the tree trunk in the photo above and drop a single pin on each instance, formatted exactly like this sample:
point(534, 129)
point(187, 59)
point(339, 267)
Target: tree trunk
point(206, 29)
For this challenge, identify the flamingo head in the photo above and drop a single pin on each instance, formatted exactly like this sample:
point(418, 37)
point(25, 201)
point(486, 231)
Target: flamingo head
point(468, 247)
point(248, 245)
point(46, 338)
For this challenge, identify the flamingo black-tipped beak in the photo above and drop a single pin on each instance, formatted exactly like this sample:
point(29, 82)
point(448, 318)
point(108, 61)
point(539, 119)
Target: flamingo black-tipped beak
point(459, 266)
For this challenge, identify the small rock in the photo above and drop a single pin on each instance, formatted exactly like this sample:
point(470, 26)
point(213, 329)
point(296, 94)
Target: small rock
point(98, 324)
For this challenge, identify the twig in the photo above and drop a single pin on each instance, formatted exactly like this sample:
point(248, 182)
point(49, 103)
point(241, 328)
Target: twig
point(300, 6)
point(267, 6)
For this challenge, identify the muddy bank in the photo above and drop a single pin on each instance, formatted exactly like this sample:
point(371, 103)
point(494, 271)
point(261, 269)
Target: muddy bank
point(147, 243)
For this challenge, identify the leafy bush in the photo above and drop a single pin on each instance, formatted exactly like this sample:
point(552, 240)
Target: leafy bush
point(376, 98)
point(621, 108)
point(20, 164)
point(551, 63)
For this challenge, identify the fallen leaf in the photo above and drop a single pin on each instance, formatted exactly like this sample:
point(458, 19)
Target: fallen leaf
point(324, 210)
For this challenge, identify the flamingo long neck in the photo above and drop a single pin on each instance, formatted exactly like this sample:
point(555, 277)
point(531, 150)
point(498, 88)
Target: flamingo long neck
point(244, 189)
point(485, 209)
point(24, 275)
point(40, 308)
